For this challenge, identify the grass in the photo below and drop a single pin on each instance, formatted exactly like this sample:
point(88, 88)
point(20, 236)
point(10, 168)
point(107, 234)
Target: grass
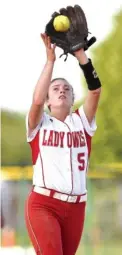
point(108, 248)
point(100, 250)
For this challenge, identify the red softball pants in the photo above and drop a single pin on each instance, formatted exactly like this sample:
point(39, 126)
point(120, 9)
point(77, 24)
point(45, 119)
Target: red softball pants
point(55, 227)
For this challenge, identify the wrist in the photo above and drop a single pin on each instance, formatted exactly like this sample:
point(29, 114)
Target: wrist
point(91, 76)
point(81, 56)
point(50, 62)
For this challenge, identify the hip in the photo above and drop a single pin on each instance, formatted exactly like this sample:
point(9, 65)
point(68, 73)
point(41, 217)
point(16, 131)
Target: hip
point(37, 202)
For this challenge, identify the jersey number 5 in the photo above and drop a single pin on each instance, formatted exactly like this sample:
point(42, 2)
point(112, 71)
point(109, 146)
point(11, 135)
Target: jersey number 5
point(81, 161)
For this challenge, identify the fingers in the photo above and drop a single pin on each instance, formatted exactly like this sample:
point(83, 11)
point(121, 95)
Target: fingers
point(44, 38)
point(47, 41)
point(63, 11)
point(42, 35)
point(54, 46)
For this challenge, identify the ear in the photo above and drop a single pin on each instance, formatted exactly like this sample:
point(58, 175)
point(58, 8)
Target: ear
point(72, 100)
point(47, 103)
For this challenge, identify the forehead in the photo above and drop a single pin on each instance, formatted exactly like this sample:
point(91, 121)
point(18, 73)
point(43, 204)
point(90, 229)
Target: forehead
point(60, 82)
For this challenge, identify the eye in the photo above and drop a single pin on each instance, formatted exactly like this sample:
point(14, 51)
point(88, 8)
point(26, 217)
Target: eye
point(67, 88)
point(55, 89)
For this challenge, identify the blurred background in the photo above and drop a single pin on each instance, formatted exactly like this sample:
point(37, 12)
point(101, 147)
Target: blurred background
point(23, 57)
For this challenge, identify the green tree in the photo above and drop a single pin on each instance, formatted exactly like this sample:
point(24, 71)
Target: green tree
point(108, 62)
point(14, 149)
point(107, 143)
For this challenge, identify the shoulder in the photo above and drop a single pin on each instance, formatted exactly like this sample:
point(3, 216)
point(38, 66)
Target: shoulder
point(44, 119)
point(90, 128)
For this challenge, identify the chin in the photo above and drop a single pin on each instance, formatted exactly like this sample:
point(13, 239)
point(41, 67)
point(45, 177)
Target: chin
point(63, 104)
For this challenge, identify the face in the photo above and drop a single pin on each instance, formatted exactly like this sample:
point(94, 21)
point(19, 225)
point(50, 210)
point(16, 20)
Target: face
point(60, 95)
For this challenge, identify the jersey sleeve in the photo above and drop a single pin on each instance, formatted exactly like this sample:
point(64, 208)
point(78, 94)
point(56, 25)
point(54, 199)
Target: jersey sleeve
point(89, 128)
point(31, 136)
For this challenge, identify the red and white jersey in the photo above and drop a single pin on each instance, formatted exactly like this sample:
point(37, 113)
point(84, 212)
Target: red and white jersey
point(60, 152)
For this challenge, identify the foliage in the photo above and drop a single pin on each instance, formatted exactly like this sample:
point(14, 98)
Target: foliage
point(107, 146)
point(14, 149)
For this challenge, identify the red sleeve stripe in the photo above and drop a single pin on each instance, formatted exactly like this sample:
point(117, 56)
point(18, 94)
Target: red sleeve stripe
point(35, 152)
point(35, 148)
point(88, 137)
point(88, 140)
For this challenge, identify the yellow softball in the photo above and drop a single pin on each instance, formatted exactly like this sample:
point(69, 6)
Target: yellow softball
point(61, 23)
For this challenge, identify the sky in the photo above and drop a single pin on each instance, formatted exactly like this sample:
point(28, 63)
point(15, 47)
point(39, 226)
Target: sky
point(22, 51)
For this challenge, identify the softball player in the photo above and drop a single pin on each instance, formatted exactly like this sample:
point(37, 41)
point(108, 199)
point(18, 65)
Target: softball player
point(60, 143)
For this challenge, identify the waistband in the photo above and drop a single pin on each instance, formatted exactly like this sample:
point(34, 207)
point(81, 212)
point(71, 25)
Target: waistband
point(60, 196)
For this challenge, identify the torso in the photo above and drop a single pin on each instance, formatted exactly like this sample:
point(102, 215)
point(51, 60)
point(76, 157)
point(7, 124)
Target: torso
point(60, 155)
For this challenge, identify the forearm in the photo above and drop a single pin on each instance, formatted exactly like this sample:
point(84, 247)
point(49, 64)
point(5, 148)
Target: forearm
point(89, 71)
point(93, 83)
point(42, 86)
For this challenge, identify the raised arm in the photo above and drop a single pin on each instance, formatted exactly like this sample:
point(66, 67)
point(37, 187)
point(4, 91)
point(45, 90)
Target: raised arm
point(94, 86)
point(41, 88)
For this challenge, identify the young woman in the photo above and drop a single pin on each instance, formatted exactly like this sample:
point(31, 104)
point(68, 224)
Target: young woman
point(60, 144)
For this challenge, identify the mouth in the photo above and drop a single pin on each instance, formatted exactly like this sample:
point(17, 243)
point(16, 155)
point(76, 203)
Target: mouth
point(62, 97)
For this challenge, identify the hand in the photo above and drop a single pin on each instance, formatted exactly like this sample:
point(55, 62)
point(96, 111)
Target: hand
point(81, 56)
point(50, 49)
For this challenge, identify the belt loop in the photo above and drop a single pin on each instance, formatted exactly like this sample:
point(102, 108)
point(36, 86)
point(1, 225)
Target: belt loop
point(32, 188)
point(78, 199)
point(52, 192)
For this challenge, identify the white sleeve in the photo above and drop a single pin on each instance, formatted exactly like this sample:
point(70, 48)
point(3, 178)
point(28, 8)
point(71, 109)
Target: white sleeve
point(31, 136)
point(90, 128)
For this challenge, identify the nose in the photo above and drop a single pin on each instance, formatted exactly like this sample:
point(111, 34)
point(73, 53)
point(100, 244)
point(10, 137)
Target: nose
point(62, 91)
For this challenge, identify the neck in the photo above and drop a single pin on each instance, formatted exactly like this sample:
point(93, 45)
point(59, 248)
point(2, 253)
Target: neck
point(59, 114)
